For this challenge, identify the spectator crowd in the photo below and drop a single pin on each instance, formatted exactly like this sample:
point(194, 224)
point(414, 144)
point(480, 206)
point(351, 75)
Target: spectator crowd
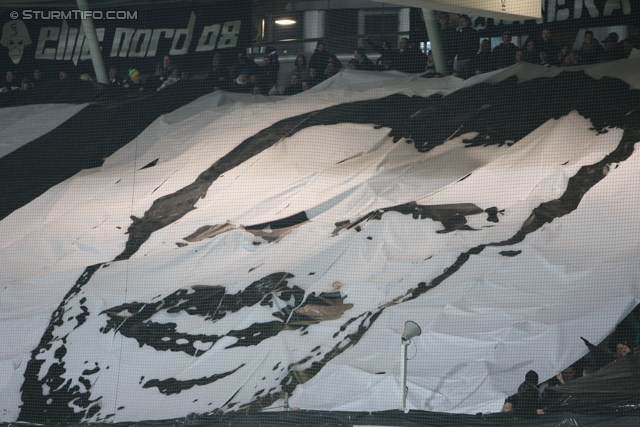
point(534, 398)
point(465, 55)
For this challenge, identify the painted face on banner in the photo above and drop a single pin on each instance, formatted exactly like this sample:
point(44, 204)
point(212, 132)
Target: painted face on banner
point(15, 37)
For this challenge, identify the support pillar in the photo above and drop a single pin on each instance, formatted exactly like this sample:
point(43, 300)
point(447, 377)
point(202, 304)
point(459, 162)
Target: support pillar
point(404, 22)
point(313, 28)
point(433, 31)
point(94, 45)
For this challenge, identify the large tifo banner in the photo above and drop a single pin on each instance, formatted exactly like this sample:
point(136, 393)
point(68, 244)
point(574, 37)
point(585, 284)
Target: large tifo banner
point(133, 37)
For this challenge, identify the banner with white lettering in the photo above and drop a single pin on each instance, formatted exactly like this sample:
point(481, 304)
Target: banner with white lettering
point(557, 15)
point(55, 40)
point(566, 14)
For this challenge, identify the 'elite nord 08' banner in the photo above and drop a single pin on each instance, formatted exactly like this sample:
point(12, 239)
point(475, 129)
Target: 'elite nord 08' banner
point(129, 38)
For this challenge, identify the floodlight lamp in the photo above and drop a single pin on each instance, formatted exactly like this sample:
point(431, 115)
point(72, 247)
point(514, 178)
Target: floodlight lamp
point(285, 20)
point(411, 330)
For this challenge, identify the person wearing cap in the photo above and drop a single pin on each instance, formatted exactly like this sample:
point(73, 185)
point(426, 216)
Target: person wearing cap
point(135, 82)
point(134, 76)
point(591, 50)
point(504, 54)
point(319, 58)
point(527, 401)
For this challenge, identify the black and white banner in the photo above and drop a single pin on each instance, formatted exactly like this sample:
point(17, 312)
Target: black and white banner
point(56, 39)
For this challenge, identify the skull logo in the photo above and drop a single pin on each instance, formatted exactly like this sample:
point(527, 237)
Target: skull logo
point(15, 37)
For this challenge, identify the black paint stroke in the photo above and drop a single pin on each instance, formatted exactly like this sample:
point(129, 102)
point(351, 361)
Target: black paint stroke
point(452, 216)
point(40, 407)
point(173, 386)
point(271, 231)
point(510, 253)
point(212, 303)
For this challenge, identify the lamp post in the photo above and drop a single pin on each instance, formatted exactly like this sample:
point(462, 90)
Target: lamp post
point(411, 330)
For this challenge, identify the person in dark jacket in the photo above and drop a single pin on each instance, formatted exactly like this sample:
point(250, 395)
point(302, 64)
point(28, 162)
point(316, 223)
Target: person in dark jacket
point(363, 63)
point(483, 61)
point(448, 37)
point(300, 67)
point(247, 61)
point(315, 76)
point(334, 66)
point(155, 81)
point(319, 57)
point(505, 53)
point(546, 44)
point(218, 72)
point(526, 402)
point(613, 50)
point(10, 82)
point(114, 77)
point(268, 76)
point(295, 85)
point(531, 54)
point(386, 60)
point(591, 50)
point(467, 45)
point(240, 84)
